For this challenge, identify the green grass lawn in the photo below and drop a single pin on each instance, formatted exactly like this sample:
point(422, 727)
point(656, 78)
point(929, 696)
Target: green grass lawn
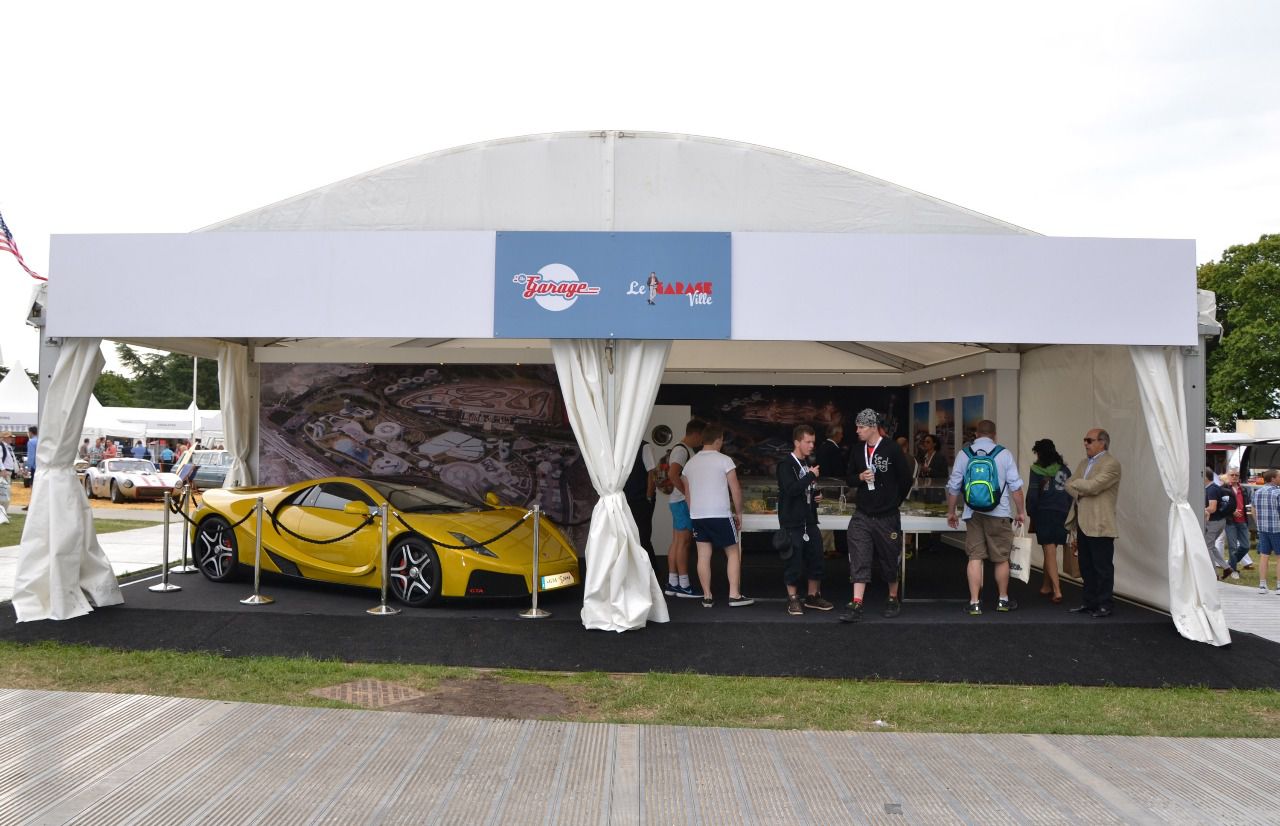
point(677, 699)
point(11, 534)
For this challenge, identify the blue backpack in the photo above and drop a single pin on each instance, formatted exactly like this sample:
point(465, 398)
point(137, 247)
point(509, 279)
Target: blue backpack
point(982, 491)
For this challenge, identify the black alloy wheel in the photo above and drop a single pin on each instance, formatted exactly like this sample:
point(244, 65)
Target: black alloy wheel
point(215, 550)
point(415, 571)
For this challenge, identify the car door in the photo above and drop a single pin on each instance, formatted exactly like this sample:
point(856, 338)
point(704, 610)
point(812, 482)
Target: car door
point(320, 515)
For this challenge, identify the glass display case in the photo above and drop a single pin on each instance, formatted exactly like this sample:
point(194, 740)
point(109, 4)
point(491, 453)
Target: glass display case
point(760, 496)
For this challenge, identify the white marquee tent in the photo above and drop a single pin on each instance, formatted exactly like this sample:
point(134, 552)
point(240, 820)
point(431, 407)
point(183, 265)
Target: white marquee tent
point(1063, 333)
point(18, 400)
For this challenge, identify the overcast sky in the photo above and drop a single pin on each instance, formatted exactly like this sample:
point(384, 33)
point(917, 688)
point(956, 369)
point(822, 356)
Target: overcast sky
point(1115, 119)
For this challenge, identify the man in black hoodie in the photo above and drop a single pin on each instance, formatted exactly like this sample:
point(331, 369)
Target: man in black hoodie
point(881, 477)
point(798, 516)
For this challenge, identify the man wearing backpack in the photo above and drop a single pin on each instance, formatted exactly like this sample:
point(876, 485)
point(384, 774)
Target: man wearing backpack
point(986, 475)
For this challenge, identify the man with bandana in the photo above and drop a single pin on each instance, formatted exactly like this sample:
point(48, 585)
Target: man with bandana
point(881, 478)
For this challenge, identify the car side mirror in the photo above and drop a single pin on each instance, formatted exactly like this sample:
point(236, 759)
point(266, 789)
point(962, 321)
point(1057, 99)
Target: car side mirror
point(491, 499)
point(356, 508)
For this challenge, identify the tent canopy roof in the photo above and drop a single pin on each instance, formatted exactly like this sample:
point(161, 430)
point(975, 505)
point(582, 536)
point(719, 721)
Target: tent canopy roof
point(625, 181)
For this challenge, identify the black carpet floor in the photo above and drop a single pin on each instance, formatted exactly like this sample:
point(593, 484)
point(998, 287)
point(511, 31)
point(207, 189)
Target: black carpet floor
point(932, 640)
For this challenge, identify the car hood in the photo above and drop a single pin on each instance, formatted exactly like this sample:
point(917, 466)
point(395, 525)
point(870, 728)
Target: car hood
point(483, 526)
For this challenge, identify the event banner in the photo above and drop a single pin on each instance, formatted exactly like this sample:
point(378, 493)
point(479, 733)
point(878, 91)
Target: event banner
point(637, 285)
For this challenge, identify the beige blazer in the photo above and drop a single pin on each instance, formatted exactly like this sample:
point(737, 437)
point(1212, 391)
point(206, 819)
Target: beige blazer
point(1095, 507)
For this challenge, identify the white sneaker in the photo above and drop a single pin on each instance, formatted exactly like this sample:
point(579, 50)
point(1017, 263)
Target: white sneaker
point(1262, 588)
point(1235, 574)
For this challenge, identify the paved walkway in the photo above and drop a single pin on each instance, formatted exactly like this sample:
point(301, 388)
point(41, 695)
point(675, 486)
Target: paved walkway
point(128, 759)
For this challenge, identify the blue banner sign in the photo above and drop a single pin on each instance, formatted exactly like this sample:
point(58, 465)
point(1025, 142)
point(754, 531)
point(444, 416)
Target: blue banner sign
point(638, 285)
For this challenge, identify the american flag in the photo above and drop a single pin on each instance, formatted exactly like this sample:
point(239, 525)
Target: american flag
point(7, 244)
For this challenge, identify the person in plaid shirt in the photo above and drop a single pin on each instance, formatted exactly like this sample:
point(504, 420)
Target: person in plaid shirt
point(1266, 507)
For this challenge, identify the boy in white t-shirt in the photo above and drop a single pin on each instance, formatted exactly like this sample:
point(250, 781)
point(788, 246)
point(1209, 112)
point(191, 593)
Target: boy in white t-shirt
point(715, 508)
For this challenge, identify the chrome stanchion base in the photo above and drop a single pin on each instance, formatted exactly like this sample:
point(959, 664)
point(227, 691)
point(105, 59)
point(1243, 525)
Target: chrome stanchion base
point(534, 613)
point(382, 610)
point(165, 586)
point(257, 599)
point(184, 569)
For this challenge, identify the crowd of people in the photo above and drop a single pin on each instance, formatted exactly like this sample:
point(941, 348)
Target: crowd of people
point(159, 451)
point(983, 490)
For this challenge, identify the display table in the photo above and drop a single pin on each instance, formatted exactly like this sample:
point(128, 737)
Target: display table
point(911, 524)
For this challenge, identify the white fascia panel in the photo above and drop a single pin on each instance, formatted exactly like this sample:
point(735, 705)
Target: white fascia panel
point(1013, 289)
point(273, 285)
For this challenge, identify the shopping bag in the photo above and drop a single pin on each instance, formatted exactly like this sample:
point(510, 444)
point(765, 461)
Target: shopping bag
point(1070, 564)
point(1020, 555)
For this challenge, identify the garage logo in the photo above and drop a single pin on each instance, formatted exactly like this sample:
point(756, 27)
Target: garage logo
point(555, 287)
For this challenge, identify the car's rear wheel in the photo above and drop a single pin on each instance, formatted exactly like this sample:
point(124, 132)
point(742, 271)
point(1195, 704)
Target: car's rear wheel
point(215, 550)
point(415, 571)
point(115, 494)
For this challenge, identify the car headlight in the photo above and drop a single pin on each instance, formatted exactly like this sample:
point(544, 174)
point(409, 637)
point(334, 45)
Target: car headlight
point(128, 483)
point(472, 544)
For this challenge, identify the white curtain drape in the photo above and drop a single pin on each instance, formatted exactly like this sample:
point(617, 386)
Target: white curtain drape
point(1193, 594)
point(62, 570)
point(609, 388)
point(239, 416)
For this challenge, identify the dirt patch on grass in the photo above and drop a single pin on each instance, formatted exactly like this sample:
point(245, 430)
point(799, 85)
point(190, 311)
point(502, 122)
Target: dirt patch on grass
point(491, 697)
point(20, 495)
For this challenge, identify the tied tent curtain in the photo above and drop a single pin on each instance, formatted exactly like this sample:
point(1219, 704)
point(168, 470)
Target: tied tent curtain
point(1193, 595)
point(239, 418)
point(62, 570)
point(609, 388)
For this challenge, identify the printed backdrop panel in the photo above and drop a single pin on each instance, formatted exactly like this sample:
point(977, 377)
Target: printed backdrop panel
point(638, 285)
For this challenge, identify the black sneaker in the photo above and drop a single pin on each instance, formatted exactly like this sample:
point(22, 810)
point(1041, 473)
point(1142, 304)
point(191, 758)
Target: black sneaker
point(740, 601)
point(1007, 604)
point(794, 608)
point(853, 614)
point(893, 608)
point(974, 609)
point(707, 602)
point(817, 603)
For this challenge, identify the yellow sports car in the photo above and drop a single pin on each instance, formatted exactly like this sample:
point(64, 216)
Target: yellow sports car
point(328, 530)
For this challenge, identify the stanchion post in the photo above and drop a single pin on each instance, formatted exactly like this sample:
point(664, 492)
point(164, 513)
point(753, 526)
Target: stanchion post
point(382, 609)
point(257, 598)
point(535, 612)
point(185, 505)
point(164, 585)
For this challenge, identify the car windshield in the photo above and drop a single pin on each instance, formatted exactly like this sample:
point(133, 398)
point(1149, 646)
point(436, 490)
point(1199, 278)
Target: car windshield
point(415, 499)
point(132, 465)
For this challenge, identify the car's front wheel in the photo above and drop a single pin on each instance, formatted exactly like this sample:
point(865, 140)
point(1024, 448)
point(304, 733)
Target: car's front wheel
point(88, 487)
point(116, 496)
point(415, 571)
point(215, 549)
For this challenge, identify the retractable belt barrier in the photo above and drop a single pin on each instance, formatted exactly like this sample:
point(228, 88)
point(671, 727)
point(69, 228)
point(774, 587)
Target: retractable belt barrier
point(257, 598)
point(164, 585)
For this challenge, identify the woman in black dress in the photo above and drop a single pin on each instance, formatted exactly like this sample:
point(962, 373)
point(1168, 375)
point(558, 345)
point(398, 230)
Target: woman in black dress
point(1048, 504)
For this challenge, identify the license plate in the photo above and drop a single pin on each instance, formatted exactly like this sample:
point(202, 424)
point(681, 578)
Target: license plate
point(557, 580)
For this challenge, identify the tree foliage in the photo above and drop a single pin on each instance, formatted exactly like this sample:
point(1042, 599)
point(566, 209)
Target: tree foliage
point(159, 380)
point(1244, 364)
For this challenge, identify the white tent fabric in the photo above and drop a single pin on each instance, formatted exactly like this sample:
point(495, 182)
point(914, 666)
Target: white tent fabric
point(609, 389)
point(239, 414)
point(19, 400)
point(98, 422)
point(62, 571)
point(1193, 594)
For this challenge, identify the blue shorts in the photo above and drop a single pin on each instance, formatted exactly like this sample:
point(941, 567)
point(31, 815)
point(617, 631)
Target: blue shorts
point(680, 520)
point(719, 531)
point(1268, 543)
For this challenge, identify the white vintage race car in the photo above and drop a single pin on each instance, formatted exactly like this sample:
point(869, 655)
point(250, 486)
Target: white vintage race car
point(123, 479)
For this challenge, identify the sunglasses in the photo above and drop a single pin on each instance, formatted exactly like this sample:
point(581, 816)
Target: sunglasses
point(1089, 441)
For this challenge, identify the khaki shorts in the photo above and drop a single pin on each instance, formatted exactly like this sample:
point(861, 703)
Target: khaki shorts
point(988, 537)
